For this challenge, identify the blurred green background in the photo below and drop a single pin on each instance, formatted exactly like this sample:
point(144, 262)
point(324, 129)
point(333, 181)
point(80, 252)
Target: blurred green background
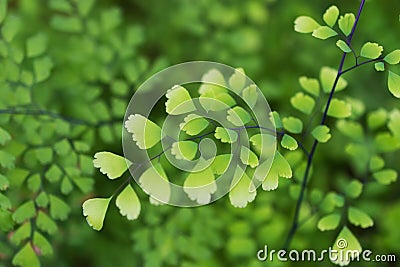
point(101, 53)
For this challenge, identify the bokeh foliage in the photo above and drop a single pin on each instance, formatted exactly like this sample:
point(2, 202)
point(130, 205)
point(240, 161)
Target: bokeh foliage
point(67, 72)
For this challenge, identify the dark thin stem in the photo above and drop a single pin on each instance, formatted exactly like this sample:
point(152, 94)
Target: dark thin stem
point(379, 59)
point(310, 157)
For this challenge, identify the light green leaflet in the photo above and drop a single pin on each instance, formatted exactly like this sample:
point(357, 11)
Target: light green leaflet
point(345, 241)
point(128, 203)
point(213, 80)
point(303, 102)
point(185, 150)
point(145, 132)
point(26, 257)
point(343, 46)
point(36, 45)
point(386, 176)
point(346, 23)
point(321, 133)
point(359, 218)
point(226, 135)
point(292, 124)
point(327, 77)
point(179, 101)
point(329, 222)
point(394, 84)
point(221, 163)
point(250, 95)
point(331, 15)
point(354, 189)
point(95, 210)
point(110, 164)
point(248, 157)
point(238, 116)
point(377, 118)
point(324, 32)
point(376, 163)
point(339, 109)
point(289, 142)
point(199, 186)
point(304, 24)
point(243, 191)
point(280, 168)
point(193, 124)
point(237, 80)
point(155, 183)
point(371, 50)
point(310, 85)
point(393, 57)
point(275, 119)
point(380, 66)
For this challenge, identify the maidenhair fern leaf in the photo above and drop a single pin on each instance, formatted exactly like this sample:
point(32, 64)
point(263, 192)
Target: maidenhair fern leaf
point(305, 24)
point(386, 176)
point(346, 23)
point(95, 210)
point(243, 190)
point(343, 46)
point(310, 85)
point(5, 137)
point(128, 203)
point(324, 32)
point(329, 222)
point(371, 50)
point(248, 157)
point(292, 124)
point(179, 101)
point(331, 15)
point(393, 57)
point(321, 133)
point(238, 116)
point(193, 124)
point(327, 77)
point(200, 186)
point(250, 95)
point(221, 163)
point(45, 223)
point(339, 109)
point(289, 142)
point(145, 132)
point(185, 150)
point(110, 164)
point(359, 218)
point(394, 84)
point(26, 257)
point(226, 135)
point(59, 210)
point(237, 80)
point(42, 244)
point(344, 243)
point(24, 212)
point(303, 102)
point(155, 183)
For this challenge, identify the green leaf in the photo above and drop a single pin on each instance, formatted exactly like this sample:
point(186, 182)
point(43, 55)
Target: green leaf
point(128, 203)
point(42, 200)
point(34, 182)
point(44, 155)
point(6, 221)
point(66, 186)
point(250, 95)
point(289, 142)
point(303, 102)
point(42, 244)
point(84, 184)
point(145, 132)
point(6, 160)
point(215, 101)
point(321, 133)
point(36, 45)
point(279, 168)
point(95, 210)
point(343, 46)
point(111, 18)
point(377, 118)
point(264, 144)
point(394, 123)
point(5, 203)
point(331, 15)
point(22, 233)
point(84, 7)
point(213, 82)
point(354, 189)
point(66, 24)
point(200, 185)
point(26, 257)
point(359, 218)
point(305, 24)
point(351, 129)
point(329, 222)
point(42, 68)
point(54, 174)
point(394, 84)
point(62, 147)
point(339, 109)
point(45, 223)
point(310, 85)
point(110, 164)
point(10, 28)
point(4, 183)
point(275, 119)
point(193, 124)
point(221, 163)
point(346, 243)
point(59, 210)
point(226, 135)
point(386, 176)
point(371, 50)
point(386, 142)
point(155, 183)
point(380, 66)
point(24, 212)
point(346, 23)
point(376, 163)
point(179, 101)
point(327, 76)
point(248, 157)
point(238, 116)
point(3, 10)
point(243, 190)
point(292, 124)
point(331, 201)
point(119, 87)
point(4, 136)
point(184, 150)
point(324, 32)
point(237, 80)
point(393, 57)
